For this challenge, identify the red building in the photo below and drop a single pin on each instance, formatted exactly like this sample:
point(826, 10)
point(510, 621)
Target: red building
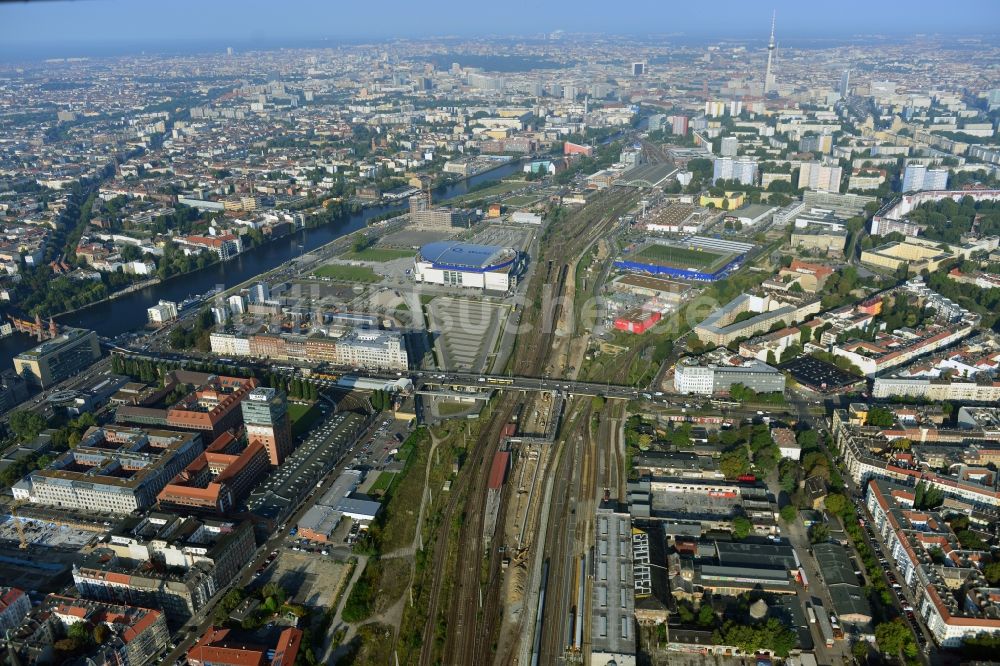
point(219, 478)
point(219, 648)
point(498, 472)
point(637, 321)
point(576, 149)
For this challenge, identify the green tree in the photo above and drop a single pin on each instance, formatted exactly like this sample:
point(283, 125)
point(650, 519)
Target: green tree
point(81, 631)
point(807, 439)
point(706, 616)
point(860, 651)
point(895, 638)
point(970, 540)
point(741, 527)
point(837, 504)
point(734, 463)
point(789, 513)
point(272, 590)
point(880, 417)
point(981, 647)
point(819, 533)
point(992, 572)
point(27, 425)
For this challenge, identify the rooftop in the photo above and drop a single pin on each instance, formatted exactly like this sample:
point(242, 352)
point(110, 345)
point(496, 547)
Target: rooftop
point(462, 255)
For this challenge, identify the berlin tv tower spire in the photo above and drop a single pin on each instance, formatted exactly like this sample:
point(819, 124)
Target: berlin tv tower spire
point(768, 80)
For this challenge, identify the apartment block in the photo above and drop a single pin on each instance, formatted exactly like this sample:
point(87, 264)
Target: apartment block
point(113, 468)
point(953, 598)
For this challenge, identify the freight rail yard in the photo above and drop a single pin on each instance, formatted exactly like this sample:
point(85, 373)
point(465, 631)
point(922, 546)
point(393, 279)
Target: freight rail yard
point(471, 599)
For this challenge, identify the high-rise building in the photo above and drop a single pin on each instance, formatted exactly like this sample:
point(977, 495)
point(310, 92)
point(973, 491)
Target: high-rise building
point(742, 169)
point(237, 304)
point(816, 143)
point(817, 176)
point(730, 145)
point(768, 73)
point(265, 414)
point(680, 125)
point(845, 84)
point(917, 177)
point(715, 108)
point(162, 312)
point(993, 99)
point(638, 68)
point(485, 82)
point(56, 359)
point(260, 292)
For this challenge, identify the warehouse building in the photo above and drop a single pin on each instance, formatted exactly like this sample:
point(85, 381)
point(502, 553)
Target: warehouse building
point(612, 625)
point(320, 521)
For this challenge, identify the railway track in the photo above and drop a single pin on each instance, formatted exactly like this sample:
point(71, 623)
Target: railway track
point(469, 505)
point(567, 545)
point(470, 607)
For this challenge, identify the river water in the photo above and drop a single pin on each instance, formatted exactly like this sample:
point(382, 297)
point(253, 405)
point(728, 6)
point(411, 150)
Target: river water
point(128, 313)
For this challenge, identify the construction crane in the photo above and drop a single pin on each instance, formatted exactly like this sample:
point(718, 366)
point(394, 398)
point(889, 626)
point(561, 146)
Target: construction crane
point(23, 540)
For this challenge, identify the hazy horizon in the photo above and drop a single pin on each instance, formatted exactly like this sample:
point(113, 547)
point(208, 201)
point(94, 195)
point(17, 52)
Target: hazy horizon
point(39, 30)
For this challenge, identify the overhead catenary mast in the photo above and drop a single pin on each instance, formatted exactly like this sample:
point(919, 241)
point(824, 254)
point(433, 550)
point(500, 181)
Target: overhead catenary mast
point(768, 76)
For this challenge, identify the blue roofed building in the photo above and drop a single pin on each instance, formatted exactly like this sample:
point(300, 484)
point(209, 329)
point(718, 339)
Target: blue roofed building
point(457, 264)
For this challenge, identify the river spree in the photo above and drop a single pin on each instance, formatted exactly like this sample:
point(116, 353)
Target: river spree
point(128, 313)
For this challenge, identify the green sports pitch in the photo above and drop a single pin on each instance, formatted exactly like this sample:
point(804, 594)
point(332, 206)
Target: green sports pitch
point(673, 256)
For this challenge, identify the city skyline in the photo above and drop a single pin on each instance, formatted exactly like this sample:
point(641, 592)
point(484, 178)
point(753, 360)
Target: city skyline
point(575, 334)
point(60, 29)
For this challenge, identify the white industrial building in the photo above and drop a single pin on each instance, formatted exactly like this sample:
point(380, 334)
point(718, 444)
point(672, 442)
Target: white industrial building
point(227, 344)
point(162, 312)
point(367, 348)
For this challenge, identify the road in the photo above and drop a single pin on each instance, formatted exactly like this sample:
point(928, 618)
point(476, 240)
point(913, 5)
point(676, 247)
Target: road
point(195, 627)
point(873, 539)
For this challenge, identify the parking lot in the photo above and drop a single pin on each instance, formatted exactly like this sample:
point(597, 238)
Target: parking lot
point(819, 375)
point(378, 452)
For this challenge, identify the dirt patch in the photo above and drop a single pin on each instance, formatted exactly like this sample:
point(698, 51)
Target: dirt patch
point(394, 578)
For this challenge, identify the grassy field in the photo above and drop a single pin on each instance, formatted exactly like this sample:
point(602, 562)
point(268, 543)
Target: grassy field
point(681, 257)
point(521, 200)
point(378, 254)
point(448, 408)
point(302, 417)
point(500, 188)
point(382, 483)
point(347, 273)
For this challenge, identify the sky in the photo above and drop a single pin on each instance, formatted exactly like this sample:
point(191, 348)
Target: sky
point(61, 27)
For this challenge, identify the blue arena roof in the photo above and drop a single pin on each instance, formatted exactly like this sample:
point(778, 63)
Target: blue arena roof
point(457, 254)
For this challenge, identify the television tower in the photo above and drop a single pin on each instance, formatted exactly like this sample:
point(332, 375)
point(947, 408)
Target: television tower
point(768, 81)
